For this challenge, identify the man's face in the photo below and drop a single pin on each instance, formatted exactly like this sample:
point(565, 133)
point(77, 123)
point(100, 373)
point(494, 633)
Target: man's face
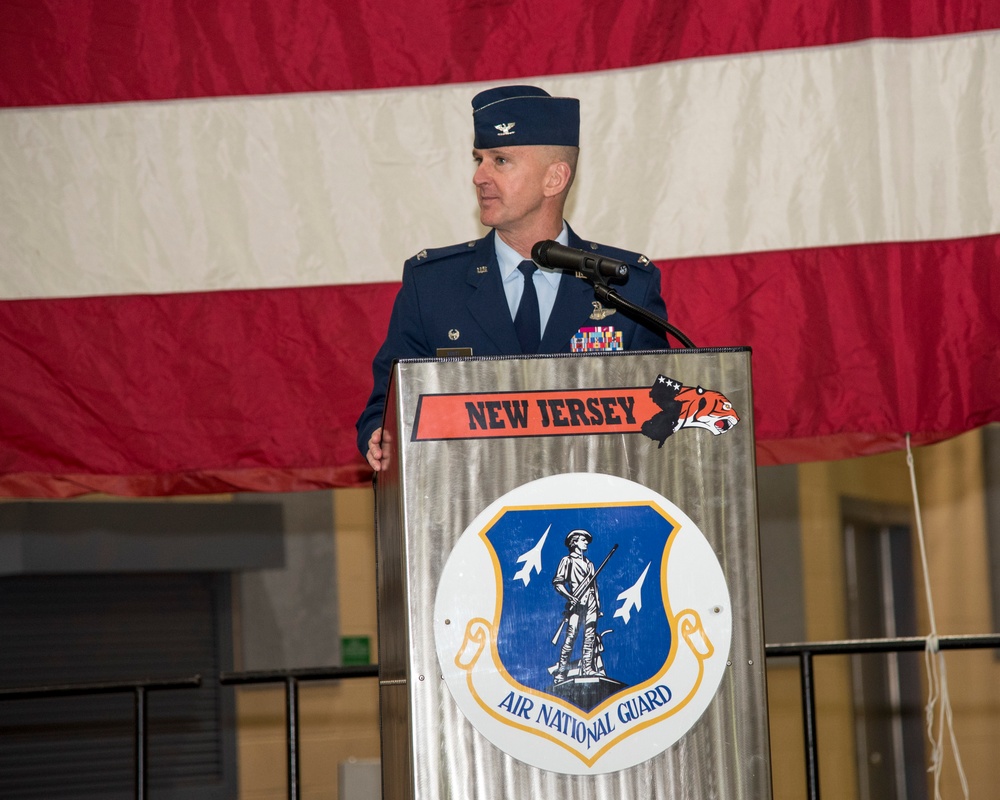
point(510, 185)
point(580, 544)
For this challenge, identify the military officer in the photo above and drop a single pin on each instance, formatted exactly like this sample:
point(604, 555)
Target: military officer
point(486, 296)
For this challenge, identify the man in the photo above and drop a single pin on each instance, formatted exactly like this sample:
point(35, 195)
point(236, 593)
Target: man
point(575, 580)
point(469, 296)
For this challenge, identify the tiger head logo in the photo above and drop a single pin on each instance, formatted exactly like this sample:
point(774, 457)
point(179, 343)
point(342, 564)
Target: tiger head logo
point(687, 407)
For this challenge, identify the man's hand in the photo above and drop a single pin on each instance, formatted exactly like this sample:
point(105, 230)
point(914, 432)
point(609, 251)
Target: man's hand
point(375, 450)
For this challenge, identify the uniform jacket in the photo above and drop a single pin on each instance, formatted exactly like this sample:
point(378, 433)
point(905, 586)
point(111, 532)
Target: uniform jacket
point(453, 297)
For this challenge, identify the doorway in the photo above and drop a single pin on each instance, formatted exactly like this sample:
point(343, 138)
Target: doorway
point(888, 701)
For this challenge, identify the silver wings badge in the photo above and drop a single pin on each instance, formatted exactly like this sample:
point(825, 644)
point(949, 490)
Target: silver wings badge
point(600, 312)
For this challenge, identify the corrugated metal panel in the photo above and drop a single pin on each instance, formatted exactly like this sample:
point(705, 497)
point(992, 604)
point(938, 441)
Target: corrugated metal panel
point(85, 628)
point(431, 491)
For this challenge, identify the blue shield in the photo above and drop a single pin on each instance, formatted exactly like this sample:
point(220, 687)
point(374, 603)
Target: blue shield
point(533, 618)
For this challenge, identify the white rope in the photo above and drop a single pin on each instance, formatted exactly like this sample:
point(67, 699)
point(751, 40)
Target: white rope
point(937, 678)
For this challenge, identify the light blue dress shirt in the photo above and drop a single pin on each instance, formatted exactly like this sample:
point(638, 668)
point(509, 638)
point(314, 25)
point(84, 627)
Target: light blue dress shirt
point(546, 280)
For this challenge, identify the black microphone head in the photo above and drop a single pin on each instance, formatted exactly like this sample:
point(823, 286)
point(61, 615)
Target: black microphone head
point(539, 253)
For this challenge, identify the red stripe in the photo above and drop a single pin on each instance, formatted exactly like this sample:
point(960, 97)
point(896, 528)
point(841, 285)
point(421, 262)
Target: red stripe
point(112, 50)
point(186, 391)
point(852, 348)
point(221, 481)
point(867, 342)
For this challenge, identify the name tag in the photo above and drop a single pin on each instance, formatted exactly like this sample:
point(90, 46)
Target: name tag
point(454, 352)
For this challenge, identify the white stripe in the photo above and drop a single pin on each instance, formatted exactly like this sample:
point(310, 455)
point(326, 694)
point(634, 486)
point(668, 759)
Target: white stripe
point(875, 141)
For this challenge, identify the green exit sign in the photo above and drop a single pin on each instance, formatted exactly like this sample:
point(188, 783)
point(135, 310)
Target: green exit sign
point(355, 650)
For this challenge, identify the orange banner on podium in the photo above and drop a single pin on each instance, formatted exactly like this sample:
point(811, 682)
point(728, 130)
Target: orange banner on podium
point(549, 413)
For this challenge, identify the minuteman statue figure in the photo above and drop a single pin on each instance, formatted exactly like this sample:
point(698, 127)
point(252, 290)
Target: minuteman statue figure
point(575, 580)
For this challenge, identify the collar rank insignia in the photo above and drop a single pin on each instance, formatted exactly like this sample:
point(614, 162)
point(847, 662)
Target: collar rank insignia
point(505, 128)
point(567, 631)
point(600, 312)
point(482, 270)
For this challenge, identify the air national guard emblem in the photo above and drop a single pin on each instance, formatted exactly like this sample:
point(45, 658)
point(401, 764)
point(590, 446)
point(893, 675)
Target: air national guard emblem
point(582, 623)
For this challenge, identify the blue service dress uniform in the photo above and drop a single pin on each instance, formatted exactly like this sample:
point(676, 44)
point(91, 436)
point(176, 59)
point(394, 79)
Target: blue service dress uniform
point(452, 297)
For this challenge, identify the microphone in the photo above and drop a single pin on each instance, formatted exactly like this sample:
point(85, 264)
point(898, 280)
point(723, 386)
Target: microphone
point(551, 254)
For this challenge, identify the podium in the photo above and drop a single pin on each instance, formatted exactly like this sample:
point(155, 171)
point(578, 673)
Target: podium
point(568, 579)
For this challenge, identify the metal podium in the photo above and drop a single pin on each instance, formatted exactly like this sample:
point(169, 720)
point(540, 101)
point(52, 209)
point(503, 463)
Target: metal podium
point(568, 580)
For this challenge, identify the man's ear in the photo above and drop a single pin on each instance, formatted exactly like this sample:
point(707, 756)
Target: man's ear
point(557, 177)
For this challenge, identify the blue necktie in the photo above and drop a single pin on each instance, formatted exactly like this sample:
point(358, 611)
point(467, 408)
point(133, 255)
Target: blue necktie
point(526, 321)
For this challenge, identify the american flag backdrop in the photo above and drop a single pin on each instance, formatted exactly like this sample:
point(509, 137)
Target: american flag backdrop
point(204, 210)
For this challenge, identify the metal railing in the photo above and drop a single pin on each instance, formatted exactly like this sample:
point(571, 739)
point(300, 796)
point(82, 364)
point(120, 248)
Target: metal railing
point(805, 652)
point(291, 679)
point(140, 689)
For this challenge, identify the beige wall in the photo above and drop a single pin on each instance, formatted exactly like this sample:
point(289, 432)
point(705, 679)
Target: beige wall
point(951, 497)
point(950, 480)
point(337, 721)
